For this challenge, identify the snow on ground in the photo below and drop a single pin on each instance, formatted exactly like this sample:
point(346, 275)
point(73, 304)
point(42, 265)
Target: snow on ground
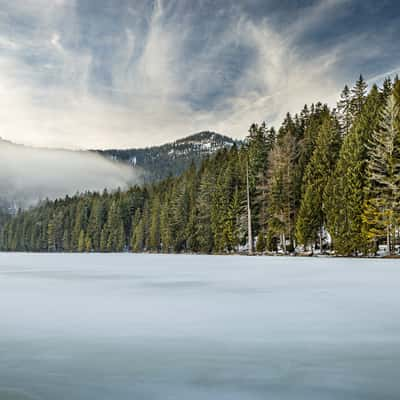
point(124, 326)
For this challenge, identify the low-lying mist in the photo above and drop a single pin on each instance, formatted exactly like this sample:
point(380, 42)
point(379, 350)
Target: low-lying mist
point(28, 175)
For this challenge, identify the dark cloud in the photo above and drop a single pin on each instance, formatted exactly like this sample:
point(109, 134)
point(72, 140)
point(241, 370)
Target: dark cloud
point(99, 73)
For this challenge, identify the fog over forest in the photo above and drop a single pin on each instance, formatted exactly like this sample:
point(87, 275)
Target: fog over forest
point(29, 174)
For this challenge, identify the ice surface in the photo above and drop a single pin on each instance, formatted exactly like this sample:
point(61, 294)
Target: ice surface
point(123, 326)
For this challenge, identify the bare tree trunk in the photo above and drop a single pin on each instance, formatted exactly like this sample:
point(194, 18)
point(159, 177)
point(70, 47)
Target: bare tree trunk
point(249, 228)
point(238, 242)
point(320, 240)
point(284, 242)
point(388, 239)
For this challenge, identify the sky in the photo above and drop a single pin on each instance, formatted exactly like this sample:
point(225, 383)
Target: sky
point(82, 74)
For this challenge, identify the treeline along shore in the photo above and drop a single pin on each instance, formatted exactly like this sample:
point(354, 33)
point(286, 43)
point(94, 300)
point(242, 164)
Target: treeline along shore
point(326, 180)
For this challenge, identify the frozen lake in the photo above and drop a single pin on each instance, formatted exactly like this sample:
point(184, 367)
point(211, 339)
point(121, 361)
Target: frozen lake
point(126, 326)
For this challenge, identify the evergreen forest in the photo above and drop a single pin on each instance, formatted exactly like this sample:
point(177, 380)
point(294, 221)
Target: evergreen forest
point(327, 180)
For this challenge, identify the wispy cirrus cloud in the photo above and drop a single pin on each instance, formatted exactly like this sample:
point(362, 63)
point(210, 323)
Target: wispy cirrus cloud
point(85, 73)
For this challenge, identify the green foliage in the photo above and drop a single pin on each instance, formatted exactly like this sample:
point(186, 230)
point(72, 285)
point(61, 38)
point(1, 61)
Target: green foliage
point(311, 218)
point(282, 185)
point(344, 107)
point(322, 174)
point(171, 159)
point(344, 194)
point(382, 205)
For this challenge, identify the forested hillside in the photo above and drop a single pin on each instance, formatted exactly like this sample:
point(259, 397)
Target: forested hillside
point(325, 179)
point(171, 159)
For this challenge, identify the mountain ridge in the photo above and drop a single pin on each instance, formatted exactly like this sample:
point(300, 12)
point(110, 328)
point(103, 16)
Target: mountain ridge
point(172, 158)
point(21, 187)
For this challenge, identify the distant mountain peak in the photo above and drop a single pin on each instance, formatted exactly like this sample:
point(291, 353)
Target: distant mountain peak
point(206, 136)
point(172, 158)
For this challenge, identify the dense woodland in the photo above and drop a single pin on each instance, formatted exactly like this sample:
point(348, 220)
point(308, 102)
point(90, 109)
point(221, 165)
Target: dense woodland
point(328, 179)
point(171, 159)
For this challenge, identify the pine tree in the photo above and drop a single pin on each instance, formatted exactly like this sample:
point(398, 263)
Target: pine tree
point(120, 242)
point(204, 201)
point(387, 88)
point(139, 239)
point(344, 107)
point(344, 194)
point(103, 240)
point(259, 144)
point(233, 225)
point(114, 233)
point(191, 229)
point(88, 244)
point(165, 227)
point(154, 230)
point(358, 97)
point(66, 240)
point(381, 210)
point(81, 242)
point(179, 215)
point(281, 194)
point(96, 222)
point(51, 232)
point(311, 218)
point(135, 244)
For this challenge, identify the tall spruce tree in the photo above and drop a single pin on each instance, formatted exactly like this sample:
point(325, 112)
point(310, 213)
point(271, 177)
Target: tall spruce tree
point(311, 219)
point(204, 201)
point(260, 142)
point(381, 214)
point(281, 194)
point(154, 229)
point(358, 97)
point(344, 107)
point(344, 194)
